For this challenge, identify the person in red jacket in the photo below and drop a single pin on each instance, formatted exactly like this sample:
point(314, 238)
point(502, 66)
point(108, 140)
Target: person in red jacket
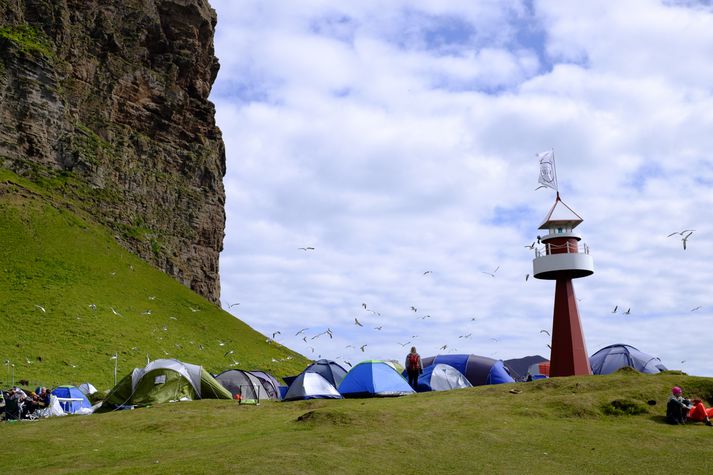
point(414, 367)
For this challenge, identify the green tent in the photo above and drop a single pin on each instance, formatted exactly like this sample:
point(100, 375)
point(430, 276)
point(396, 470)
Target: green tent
point(163, 381)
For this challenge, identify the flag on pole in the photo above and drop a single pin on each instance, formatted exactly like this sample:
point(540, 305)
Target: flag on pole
point(548, 174)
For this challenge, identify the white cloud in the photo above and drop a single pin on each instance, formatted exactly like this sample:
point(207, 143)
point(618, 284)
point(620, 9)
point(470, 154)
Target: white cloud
point(398, 139)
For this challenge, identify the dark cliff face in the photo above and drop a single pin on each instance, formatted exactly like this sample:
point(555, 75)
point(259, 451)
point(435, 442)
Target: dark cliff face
point(107, 102)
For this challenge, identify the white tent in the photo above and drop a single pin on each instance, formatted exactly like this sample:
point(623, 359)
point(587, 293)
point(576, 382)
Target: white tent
point(442, 377)
point(87, 388)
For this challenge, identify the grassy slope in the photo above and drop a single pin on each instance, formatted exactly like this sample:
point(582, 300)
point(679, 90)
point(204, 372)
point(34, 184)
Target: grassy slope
point(552, 426)
point(52, 256)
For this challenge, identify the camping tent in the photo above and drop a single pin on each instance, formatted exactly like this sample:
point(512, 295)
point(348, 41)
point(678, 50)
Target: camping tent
point(539, 370)
point(479, 370)
point(87, 388)
point(613, 357)
point(374, 378)
point(162, 381)
point(243, 383)
point(329, 370)
point(72, 400)
point(311, 386)
point(269, 382)
point(519, 368)
point(441, 377)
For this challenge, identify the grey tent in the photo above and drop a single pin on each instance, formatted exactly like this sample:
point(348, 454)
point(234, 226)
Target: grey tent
point(311, 386)
point(614, 357)
point(243, 383)
point(269, 382)
point(441, 377)
point(329, 370)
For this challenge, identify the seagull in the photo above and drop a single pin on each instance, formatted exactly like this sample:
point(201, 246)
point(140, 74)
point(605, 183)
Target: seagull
point(234, 363)
point(115, 312)
point(41, 308)
point(363, 305)
point(356, 322)
point(628, 311)
point(306, 248)
point(685, 238)
point(444, 347)
point(347, 363)
point(164, 328)
point(147, 312)
point(229, 352)
point(548, 346)
point(472, 319)
point(615, 307)
point(301, 331)
point(194, 309)
point(200, 347)
point(349, 346)
point(695, 308)
point(362, 348)
point(276, 333)
point(92, 306)
point(404, 344)
point(173, 318)
point(414, 308)
point(545, 331)
point(681, 233)
point(311, 348)
point(527, 276)
point(152, 297)
point(233, 304)
point(304, 338)
point(378, 328)
point(491, 274)
point(220, 343)
point(428, 272)
point(531, 246)
point(467, 335)
point(329, 332)
point(494, 339)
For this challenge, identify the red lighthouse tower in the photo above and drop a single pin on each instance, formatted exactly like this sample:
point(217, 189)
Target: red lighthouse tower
point(562, 259)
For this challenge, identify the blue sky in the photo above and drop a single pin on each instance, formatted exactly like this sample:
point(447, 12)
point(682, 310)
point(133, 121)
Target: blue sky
point(398, 139)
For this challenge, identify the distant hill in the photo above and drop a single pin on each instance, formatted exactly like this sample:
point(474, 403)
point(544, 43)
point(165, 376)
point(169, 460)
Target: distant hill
point(72, 297)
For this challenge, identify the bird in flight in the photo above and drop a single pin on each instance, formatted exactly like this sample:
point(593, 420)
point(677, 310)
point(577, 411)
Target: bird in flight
point(229, 352)
point(467, 335)
point(695, 308)
point(356, 322)
point(276, 333)
point(115, 312)
point(41, 308)
point(472, 319)
point(231, 305)
point(347, 363)
point(378, 328)
point(307, 248)
point(527, 276)
point(362, 348)
point(681, 233)
point(615, 308)
point(414, 308)
point(684, 239)
point(404, 344)
point(301, 331)
point(491, 274)
point(304, 338)
point(428, 272)
point(494, 339)
point(425, 317)
point(444, 347)
point(628, 311)
point(548, 346)
point(194, 309)
point(531, 246)
point(545, 331)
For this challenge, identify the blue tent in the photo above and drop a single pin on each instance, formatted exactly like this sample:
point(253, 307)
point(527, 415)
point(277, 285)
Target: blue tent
point(441, 377)
point(71, 399)
point(480, 370)
point(374, 378)
point(613, 357)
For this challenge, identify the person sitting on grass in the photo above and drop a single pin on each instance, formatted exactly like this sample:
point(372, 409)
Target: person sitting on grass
point(680, 409)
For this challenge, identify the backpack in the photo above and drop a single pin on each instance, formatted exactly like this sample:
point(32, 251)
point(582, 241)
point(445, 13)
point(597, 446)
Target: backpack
point(413, 361)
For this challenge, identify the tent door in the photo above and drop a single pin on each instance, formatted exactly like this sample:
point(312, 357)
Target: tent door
point(248, 394)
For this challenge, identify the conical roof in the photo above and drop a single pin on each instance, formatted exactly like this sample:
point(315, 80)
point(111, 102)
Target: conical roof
point(560, 215)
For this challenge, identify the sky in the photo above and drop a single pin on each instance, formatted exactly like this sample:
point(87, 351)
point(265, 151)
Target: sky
point(399, 139)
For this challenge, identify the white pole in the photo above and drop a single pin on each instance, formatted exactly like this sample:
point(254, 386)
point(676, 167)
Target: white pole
point(116, 363)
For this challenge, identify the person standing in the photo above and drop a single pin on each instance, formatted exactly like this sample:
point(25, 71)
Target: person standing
point(414, 367)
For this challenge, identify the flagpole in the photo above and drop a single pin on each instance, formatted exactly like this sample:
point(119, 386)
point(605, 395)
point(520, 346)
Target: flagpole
point(554, 169)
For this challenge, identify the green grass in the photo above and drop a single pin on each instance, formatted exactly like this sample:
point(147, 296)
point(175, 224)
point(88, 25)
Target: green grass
point(54, 256)
point(551, 426)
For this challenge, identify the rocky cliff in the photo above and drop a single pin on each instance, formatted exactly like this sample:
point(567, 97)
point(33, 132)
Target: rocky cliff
point(106, 102)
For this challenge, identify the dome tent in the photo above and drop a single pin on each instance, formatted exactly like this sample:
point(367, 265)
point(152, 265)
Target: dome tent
point(480, 370)
point(374, 378)
point(162, 381)
point(614, 357)
point(441, 377)
point(243, 383)
point(311, 386)
point(329, 370)
point(72, 400)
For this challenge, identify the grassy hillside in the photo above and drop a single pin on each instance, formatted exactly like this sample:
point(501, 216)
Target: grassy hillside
point(596, 424)
point(98, 299)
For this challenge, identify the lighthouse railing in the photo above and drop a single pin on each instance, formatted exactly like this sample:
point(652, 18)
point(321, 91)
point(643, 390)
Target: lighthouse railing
point(568, 247)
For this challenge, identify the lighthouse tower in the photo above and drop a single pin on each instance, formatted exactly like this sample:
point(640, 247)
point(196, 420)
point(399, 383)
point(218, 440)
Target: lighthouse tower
point(563, 258)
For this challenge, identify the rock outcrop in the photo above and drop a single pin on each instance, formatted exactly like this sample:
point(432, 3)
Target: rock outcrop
point(106, 102)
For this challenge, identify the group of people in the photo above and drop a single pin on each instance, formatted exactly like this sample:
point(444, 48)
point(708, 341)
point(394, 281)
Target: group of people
point(680, 410)
point(19, 404)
